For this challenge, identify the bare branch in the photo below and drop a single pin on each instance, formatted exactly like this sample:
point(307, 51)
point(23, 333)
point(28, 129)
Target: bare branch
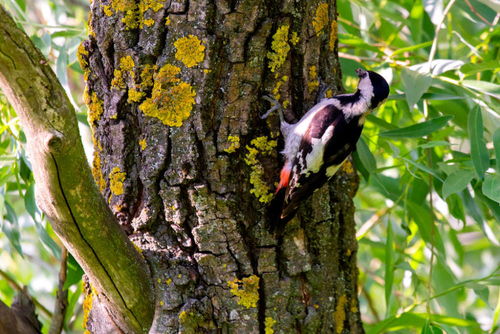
point(61, 304)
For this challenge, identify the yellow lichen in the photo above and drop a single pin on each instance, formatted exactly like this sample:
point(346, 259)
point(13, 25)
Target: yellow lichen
point(321, 18)
point(116, 179)
point(107, 10)
point(295, 38)
point(247, 290)
point(162, 303)
point(171, 100)
point(277, 87)
point(82, 54)
point(189, 50)
point(147, 74)
point(149, 22)
point(269, 324)
point(135, 95)
point(130, 9)
point(95, 108)
point(235, 144)
point(168, 21)
point(313, 81)
point(154, 5)
point(96, 169)
point(262, 146)
point(333, 35)
point(193, 322)
point(125, 69)
point(339, 314)
point(168, 281)
point(143, 144)
point(280, 47)
point(87, 306)
point(347, 167)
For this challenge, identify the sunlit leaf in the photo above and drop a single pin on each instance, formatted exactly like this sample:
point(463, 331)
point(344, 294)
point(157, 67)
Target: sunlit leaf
point(484, 87)
point(418, 130)
point(415, 85)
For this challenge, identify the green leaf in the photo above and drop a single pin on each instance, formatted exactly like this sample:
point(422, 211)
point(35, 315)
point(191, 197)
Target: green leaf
point(46, 239)
point(416, 320)
point(74, 272)
point(491, 187)
point(10, 227)
point(29, 201)
point(469, 69)
point(411, 48)
point(496, 143)
point(418, 130)
point(389, 266)
point(422, 216)
point(424, 168)
point(484, 87)
point(479, 152)
point(456, 207)
point(365, 156)
point(415, 85)
point(456, 182)
point(436, 143)
point(429, 328)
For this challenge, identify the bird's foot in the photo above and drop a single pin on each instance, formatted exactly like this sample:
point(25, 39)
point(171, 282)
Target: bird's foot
point(275, 105)
point(323, 88)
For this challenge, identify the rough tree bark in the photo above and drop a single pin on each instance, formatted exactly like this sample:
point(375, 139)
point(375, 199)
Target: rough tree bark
point(175, 92)
point(187, 167)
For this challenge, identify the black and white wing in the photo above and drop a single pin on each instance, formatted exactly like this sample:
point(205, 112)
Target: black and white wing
point(324, 146)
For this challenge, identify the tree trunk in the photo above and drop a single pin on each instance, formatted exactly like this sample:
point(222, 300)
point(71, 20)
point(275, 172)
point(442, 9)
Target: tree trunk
point(188, 167)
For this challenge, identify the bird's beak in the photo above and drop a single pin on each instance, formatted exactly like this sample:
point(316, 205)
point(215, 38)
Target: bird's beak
point(360, 72)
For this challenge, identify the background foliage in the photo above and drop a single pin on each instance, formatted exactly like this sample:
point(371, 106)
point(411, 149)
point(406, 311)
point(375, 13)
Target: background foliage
point(428, 206)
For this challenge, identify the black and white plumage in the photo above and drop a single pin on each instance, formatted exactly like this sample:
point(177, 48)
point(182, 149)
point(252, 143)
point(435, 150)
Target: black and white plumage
point(318, 144)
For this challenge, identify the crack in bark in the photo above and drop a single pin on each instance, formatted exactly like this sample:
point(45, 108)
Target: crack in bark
point(87, 242)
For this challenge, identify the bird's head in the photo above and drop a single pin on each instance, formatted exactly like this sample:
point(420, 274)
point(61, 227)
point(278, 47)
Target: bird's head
point(372, 87)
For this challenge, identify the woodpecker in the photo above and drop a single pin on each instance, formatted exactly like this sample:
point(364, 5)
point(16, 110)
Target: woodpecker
point(319, 143)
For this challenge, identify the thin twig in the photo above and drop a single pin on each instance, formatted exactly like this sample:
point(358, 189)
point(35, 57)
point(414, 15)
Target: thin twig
point(477, 13)
point(17, 287)
point(436, 34)
point(371, 306)
point(61, 304)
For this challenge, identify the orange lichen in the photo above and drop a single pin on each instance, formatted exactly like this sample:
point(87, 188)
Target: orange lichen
point(190, 50)
point(172, 99)
point(321, 18)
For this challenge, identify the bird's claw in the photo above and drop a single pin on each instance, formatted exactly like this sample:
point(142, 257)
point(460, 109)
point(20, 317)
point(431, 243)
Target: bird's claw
point(275, 105)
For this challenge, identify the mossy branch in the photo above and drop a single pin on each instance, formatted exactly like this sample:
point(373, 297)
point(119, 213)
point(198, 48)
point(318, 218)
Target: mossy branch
point(65, 189)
